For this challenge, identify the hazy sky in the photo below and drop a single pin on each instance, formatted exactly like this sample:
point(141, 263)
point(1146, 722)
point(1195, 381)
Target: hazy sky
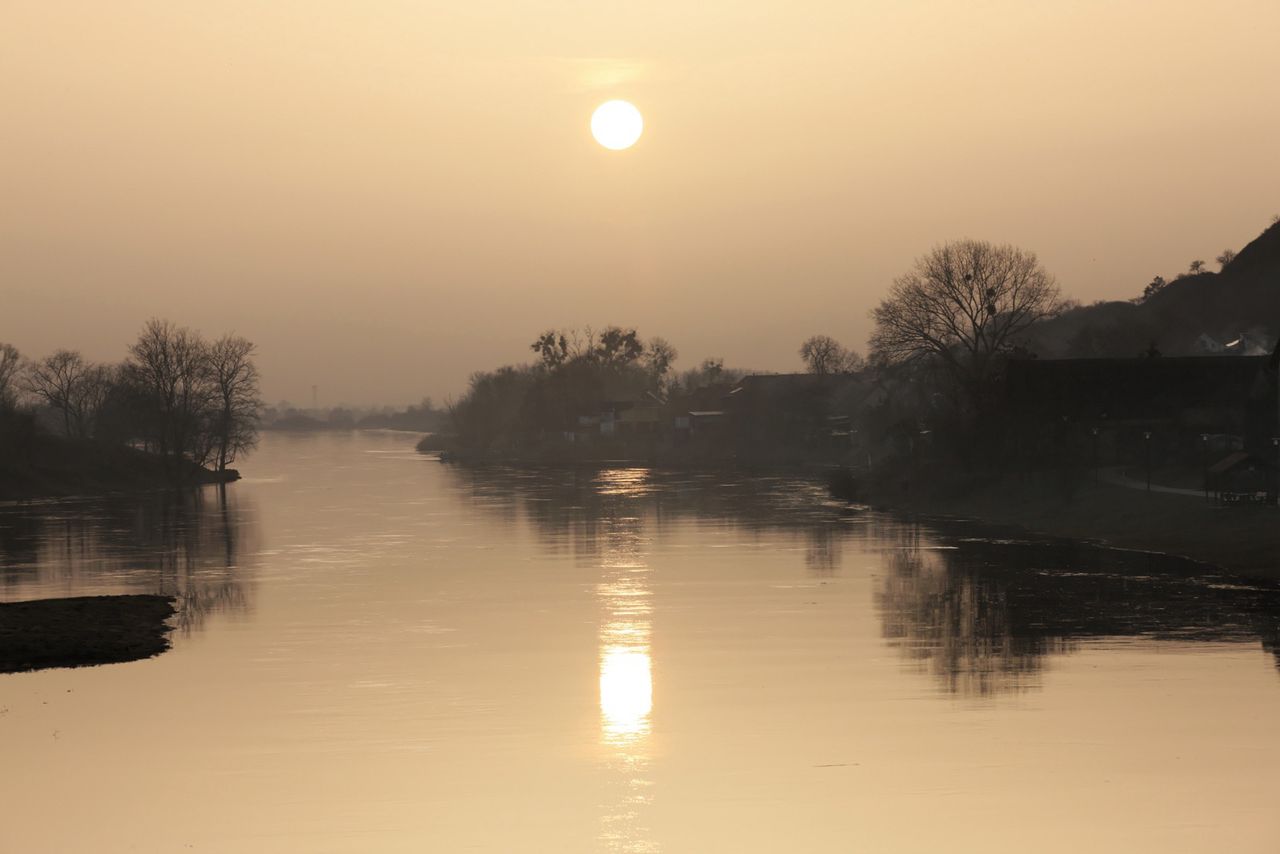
point(386, 196)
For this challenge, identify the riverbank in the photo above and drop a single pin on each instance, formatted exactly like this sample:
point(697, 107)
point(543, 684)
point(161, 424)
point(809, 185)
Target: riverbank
point(702, 455)
point(55, 467)
point(82, 631)
point(1241, 539)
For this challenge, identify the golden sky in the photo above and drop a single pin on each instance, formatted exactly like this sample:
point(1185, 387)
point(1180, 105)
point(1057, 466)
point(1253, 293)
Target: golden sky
point(386, 196)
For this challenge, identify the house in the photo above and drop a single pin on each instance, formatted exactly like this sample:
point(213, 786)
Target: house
point(640, 419)
point(1216, 394)
point(622, 418)
point(1242, 477)
point(699, 411)
point(1127, 408)
point(798, 417)
point(706, 422)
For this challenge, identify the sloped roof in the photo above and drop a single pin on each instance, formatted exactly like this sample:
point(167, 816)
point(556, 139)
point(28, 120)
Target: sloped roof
point(1237, 459)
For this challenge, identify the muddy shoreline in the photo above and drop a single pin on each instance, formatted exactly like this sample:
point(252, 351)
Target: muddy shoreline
point(1243, 540)
point(82, 631)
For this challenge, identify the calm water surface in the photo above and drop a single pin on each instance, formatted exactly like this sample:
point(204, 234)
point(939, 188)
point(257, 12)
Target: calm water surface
point(380, 653)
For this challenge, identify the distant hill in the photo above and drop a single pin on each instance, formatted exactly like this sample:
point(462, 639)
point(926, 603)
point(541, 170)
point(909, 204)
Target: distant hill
point(1241, 300)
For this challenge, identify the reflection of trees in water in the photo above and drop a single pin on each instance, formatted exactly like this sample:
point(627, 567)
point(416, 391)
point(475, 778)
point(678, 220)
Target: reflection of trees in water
point(957, 626)
point(574, 511)
point(192, 545)
point(823, 550)
point(1269, 630)
point(983, 615)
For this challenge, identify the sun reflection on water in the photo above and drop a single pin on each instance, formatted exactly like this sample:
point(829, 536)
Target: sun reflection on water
point(629, 482)
point(626, 670)
point(626, 694)
point(626, 667)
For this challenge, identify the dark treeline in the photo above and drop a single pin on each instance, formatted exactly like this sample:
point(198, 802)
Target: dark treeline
point(178, 402)
point(541, 405)
point(940, 339)
point(944, 398)
point(421, 417)
point(973, 389)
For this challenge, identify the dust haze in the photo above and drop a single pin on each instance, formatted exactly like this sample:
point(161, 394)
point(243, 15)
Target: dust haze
point(385, 199)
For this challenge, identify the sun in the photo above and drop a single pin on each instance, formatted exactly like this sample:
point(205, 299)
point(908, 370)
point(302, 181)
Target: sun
point(617, 124)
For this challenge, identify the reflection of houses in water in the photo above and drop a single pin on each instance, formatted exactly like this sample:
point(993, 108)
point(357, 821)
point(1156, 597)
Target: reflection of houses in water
point(984, 615)
point(190, 545)
point(572, 510)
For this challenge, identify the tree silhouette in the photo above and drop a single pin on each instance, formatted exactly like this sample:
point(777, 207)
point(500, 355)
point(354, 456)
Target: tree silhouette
point(963, 304)
point(10, 363)
point(823, 355)
point(1156, 285)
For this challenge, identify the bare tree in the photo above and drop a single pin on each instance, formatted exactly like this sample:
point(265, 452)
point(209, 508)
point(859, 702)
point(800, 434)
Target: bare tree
point(238, 402)
point(10, 367)
point(853, 362)
point(90, 395)
point(824, 355)
point(56, 380)
point(1227, 256)
point(963, 304)
point(171, 366)
point(659, 356)
point(1196, 267)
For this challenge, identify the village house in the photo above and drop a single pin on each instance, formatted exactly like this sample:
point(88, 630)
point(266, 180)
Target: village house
point(1148, 411)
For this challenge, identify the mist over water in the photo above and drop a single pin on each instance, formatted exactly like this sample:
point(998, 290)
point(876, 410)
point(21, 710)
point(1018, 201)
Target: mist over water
point(382, 653)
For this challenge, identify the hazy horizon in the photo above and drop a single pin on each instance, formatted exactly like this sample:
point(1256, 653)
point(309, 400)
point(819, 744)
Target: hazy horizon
point(387, 197)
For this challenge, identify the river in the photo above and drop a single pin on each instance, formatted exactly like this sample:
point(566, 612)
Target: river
point(378, 652)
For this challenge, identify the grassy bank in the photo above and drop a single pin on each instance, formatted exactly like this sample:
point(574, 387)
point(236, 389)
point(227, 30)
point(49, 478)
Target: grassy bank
point(1243, 539)
point(82, 631)
point(51, 466)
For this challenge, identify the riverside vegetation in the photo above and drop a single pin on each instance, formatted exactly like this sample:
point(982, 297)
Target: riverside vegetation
point(178, 410)
point(929, 420)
